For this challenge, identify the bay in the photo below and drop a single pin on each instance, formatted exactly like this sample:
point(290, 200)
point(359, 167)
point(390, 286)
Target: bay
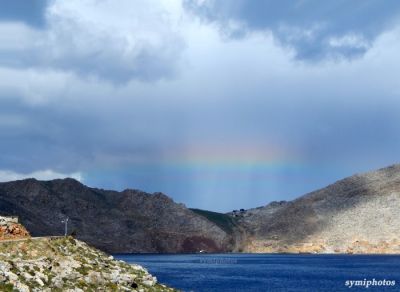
point(271, 272)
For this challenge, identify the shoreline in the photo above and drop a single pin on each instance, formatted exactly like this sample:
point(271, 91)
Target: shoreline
point(254, 253)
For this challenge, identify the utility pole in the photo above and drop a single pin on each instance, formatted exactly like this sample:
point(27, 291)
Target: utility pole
point(65, 221)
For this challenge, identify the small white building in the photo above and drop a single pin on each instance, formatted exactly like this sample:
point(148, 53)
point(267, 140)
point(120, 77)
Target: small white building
point(8, 219)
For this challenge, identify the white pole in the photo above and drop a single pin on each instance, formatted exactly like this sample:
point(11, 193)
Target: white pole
point(65, 221)
point(66, 226)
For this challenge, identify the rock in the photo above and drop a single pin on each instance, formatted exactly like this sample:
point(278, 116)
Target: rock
point(27, 275)
point(62, 264)
point(39, 281)
point(149, 280)
point(11, 229)
point(115, 277)
point(95, 278)
point(21, 287)
point(148, 283)
point(11, 276)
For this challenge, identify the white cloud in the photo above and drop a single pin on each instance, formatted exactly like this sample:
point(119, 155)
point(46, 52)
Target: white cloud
point(350, 41)
point(134, 39)
point(17, 36)
point(7, 175)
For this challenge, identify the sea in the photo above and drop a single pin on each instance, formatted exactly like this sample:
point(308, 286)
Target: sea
point(272, 272)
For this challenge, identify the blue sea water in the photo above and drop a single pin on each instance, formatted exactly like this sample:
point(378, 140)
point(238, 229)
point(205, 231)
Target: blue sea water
point(270, 272)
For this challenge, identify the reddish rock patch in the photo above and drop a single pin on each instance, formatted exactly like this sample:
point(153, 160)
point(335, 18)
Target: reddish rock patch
point(199, 243)
point(13, 231)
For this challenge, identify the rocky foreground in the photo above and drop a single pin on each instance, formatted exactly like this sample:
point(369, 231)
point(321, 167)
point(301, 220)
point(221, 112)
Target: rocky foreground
point(66, 264)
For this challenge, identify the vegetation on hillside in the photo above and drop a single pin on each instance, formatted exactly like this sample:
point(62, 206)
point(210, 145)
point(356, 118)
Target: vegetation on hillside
point(66, 264)
point(225, 222)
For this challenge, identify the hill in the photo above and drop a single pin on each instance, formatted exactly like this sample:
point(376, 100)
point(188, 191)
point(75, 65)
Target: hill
point(117, 222)
point(66, 264)
point(358, 214)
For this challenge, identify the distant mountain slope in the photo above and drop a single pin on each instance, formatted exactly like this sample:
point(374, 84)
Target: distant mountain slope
point(359, 214)
point(128, 221)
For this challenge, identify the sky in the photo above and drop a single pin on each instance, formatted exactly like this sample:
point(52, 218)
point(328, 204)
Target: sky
point(219, 104)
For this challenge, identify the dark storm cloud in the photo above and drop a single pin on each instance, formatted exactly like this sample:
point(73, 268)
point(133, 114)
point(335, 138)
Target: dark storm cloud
point(28, 11)
point(66, 140)
point(314, 29)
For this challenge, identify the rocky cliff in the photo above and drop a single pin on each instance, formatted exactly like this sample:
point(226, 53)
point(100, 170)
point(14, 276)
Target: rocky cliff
point(66, 264)
point(128, 221)
point(359, 214)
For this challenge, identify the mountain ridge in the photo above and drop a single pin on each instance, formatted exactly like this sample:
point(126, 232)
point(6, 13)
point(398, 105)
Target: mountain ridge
point(356, 214)
point(141, 222)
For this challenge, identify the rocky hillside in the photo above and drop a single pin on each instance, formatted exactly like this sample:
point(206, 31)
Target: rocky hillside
point(358, 214)
point(66, 264)
point(116, 222)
